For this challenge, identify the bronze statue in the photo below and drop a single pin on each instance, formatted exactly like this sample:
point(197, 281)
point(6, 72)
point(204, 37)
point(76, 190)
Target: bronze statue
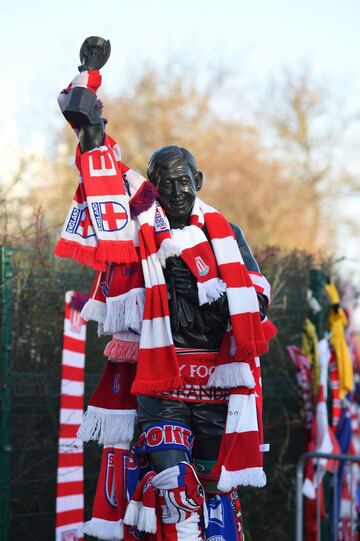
point(199, 330)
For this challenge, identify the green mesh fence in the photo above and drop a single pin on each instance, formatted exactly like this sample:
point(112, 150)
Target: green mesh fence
point(32, 303)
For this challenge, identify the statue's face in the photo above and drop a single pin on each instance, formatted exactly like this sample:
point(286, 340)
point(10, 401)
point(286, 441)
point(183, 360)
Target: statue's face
point(177, 189)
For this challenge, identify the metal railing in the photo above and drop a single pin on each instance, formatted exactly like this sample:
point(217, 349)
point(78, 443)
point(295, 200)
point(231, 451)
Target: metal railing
point(334, 526)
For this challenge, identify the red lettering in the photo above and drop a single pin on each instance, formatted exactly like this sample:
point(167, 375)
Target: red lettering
point(154, 436)
point(186, 436)
point(168, 430)
point(178, 434)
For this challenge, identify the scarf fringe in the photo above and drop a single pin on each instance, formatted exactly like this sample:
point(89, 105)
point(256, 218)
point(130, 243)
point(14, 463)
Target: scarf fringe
point(230, 375)
point(211, 290)
point(122, 350)
point(86, 255)
point(105, 529)
point(248, 477)
point(143, 199)
point(94, 310)
point(147, 520)
point(167, 249)
point(132, 513)
point(125, 311)
point(143, 387)
point(107, 426)
point(308, 489)
point(122, 252)
point(269, 329)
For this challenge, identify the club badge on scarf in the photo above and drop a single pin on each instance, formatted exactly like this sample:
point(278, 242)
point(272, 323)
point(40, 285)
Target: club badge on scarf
point(225, 520)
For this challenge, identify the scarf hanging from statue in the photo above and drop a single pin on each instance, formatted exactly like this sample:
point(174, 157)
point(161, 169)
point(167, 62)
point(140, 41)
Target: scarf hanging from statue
point(156, 340)
point(98, 228)
point(250, 337)
point(70, 490)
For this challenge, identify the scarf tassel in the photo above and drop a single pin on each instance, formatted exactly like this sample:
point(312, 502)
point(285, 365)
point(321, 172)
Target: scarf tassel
point(235, 374)
point(141, 510)
point(94, 310)
point(104, 529)
point(85, 255)
point(167, 249)
point(147, 520)
point(269, 329)
point(141, 516)
point(143, 199)
point(122, 351)
point(252, 477)
point(107, 426)
point(125, 311)
point(211, 290)
point(122, 252)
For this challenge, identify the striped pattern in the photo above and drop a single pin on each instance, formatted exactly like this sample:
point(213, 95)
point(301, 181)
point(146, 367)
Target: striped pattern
point(240, 460)
point(335, 392)
point(98, 229)
point(70, 490)
point(156, 339)
point(304, 379)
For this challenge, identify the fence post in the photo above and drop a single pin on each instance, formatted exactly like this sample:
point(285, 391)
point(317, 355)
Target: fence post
point(6, 273)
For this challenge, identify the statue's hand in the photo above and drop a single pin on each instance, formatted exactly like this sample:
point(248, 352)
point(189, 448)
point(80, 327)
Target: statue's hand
point(94, 53)
point(182, 279)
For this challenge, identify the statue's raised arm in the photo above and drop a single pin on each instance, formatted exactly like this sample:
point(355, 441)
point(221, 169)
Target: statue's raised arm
point(79, 103)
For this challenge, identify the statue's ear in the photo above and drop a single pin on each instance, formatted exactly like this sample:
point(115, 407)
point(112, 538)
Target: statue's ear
point(198, 180)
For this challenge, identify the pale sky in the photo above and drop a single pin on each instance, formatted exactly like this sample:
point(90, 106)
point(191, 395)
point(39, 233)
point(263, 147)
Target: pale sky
point(256, 38)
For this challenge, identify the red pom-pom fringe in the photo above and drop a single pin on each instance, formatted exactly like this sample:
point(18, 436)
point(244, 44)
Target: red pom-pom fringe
point(122, 350)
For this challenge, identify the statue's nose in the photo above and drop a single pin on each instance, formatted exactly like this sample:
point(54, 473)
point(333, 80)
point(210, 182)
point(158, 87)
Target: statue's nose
point(176, 188)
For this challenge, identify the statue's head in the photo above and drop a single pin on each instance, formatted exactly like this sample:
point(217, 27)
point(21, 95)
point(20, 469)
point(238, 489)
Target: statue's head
point(173, 171)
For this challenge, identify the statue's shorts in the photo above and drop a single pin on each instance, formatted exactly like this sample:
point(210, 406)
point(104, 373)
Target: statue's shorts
point(206, 421)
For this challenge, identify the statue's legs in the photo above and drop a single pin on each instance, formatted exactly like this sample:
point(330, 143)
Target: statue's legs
point(181, 504)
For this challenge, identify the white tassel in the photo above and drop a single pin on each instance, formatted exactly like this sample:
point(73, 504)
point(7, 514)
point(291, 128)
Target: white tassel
point(230, 375)
point(132, 513)
point(211, 290)
point(105, 529)
point(308, 489)
point(107, 426)
point(167, 249)
point(125, 311)
point(147, 520)
point(249, 477)
point(94, 310)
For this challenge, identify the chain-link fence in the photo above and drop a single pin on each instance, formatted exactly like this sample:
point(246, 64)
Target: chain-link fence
point(32, 303)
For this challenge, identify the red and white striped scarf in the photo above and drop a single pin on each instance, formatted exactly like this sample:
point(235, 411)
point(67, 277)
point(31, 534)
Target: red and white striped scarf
point(156, 342)
point(130, 298)
point(98, 228)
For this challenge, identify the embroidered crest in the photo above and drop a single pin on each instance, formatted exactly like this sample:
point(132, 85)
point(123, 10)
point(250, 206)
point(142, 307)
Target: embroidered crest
point(116, 384)
point(159, 223)
point(216, 511)
point(110, 479)
point(80, 224)
point(110, 215)
point(75, 321)
point(202, 268)
point(85, 228)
